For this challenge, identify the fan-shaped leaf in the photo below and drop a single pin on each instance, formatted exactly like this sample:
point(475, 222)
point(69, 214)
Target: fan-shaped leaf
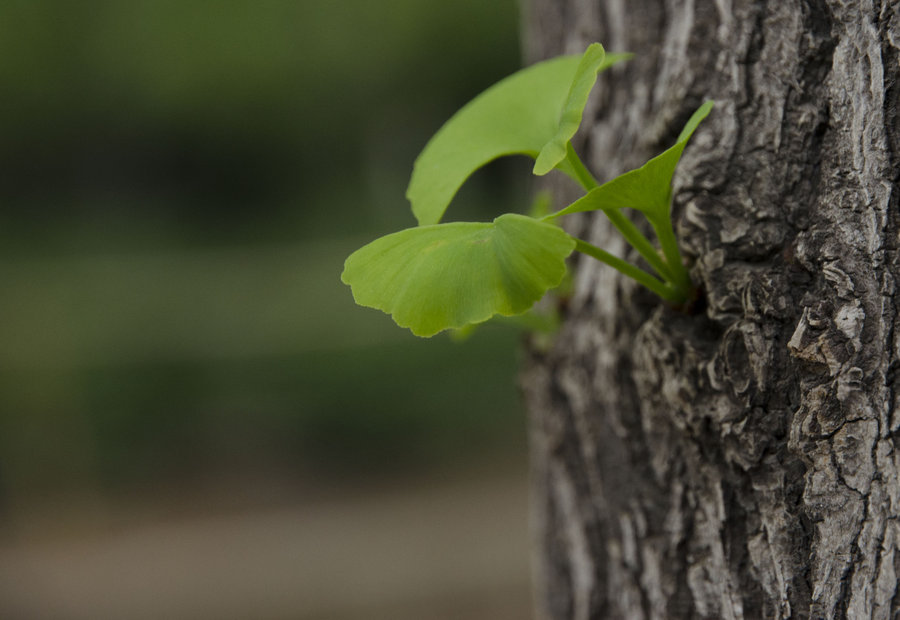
point(518, 115)
point(648, 188)
point(595, 59)
point(442, 276)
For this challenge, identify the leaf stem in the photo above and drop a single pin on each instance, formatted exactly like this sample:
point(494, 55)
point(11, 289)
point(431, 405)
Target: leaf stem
point(625, 226)
point(582, 174)
point(663, 289)
point(669, 244)
point(640, 243)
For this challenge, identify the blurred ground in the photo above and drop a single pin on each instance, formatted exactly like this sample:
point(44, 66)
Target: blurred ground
point(451, 545)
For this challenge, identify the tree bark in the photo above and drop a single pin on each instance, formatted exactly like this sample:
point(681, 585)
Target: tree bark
point(737, 460)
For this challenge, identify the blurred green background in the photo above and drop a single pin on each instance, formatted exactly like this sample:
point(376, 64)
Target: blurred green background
point(180, 182)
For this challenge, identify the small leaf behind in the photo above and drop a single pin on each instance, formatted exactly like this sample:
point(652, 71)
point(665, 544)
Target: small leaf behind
point(648, 188)
point(519, 115)
point(442, 276)
point(594, 61)
point(515, 116)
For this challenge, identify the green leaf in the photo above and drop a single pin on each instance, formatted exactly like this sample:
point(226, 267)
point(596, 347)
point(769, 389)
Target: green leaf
point(521, 114)
point(594, 60)
point(647, 189)
point(442, 276)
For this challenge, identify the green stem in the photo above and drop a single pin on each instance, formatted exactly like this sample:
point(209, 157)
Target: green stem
point(664, 290)
point(666, 235)
point(625, 226)
point(582, 174)
point(640, 243)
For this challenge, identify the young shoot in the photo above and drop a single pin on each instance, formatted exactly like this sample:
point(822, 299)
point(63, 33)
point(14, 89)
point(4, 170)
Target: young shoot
point(439, 276)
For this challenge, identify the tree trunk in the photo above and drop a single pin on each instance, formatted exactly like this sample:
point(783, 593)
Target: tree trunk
point(737, 460)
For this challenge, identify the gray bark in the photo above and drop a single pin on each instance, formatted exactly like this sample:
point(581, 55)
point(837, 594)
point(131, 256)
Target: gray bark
point(737, 460)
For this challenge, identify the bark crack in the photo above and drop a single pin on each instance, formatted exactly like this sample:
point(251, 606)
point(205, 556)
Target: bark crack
point(739, 462)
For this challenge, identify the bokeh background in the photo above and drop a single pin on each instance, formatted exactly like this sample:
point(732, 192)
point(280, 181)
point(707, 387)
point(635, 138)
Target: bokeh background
point(195, 419)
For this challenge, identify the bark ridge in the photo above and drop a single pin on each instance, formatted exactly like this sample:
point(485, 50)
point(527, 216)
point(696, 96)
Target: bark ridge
point(739, 461)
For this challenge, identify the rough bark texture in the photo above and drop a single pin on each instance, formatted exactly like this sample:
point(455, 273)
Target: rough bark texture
point(742, 460)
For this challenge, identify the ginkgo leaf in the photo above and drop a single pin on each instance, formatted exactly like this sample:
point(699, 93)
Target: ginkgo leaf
point(554, 151)
point(442, 276)
point(648, 188)
point(521, 114)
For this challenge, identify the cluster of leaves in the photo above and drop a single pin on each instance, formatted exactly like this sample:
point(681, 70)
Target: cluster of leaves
point(438, 276)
